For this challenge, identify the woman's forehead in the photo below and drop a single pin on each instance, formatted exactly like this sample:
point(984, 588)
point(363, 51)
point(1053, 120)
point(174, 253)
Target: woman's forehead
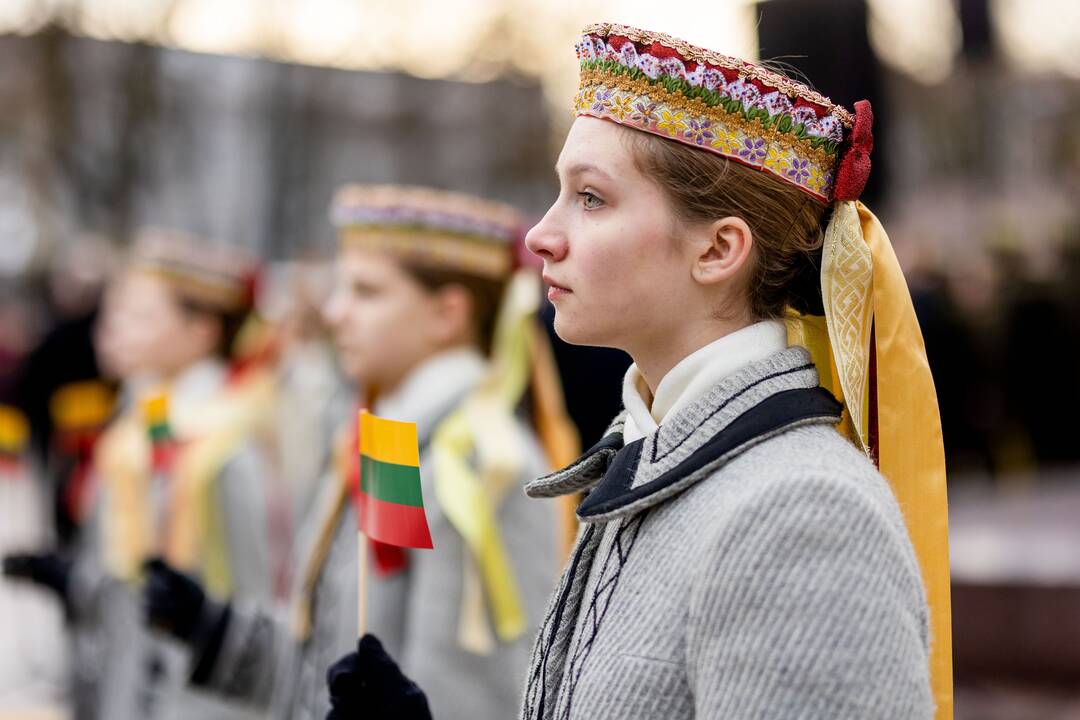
point(368, 264)
point(596, 145)
point(137, 283)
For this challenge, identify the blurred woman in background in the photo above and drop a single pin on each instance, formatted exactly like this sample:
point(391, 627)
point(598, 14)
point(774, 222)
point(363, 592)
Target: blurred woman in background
point(179, 474)
point(431, 321)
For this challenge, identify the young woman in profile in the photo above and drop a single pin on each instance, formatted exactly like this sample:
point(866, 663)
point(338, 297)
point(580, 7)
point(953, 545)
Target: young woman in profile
point(739, 557)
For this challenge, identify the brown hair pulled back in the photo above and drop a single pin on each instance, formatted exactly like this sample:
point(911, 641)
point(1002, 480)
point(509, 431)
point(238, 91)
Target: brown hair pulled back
point(231, 323)
point(486, 296)
point(786, 222)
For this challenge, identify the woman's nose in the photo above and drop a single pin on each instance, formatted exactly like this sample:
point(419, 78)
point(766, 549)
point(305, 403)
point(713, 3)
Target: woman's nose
point(546, 240)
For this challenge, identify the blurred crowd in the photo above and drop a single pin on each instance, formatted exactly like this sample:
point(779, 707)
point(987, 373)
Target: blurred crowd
point(68, 338)
point(81, 347)
point(178, 435)
point(997, 326)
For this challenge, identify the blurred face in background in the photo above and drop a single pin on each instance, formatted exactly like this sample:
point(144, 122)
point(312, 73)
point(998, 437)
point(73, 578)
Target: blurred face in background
point(385, 322)
point(144, 330)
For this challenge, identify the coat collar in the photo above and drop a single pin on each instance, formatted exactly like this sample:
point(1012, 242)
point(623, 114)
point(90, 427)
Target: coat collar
point(755, 403)
point(695, 374)
point(433, 389)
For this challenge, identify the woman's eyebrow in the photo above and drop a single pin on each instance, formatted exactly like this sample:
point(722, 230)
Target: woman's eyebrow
point(582, 167)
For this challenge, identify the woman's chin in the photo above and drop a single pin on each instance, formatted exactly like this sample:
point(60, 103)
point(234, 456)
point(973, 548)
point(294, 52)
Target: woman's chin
point(571, 330)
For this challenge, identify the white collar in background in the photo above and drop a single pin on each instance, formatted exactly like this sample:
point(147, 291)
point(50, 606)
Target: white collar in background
point(188, 392)
point(692, 376)
point(425, 394)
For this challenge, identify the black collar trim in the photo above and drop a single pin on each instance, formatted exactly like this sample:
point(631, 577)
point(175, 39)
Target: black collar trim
point(614, 494)
point(658, 456)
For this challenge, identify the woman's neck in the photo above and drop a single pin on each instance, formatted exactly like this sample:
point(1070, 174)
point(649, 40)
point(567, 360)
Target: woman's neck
point(656, 356)
point(695, 374)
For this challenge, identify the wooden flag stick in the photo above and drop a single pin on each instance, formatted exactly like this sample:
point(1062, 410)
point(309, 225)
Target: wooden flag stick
point(361, 538)
point(363, 553)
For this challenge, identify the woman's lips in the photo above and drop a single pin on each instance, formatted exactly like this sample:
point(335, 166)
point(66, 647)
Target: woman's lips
point(555, 292)
point(554, 289)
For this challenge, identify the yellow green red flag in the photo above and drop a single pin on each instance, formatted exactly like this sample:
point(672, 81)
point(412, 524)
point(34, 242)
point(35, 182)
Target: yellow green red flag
point(389, 499)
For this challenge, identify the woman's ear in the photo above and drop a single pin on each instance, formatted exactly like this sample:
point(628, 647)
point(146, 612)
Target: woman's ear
point(454, 309)
point(204, 334)
point(724, 248)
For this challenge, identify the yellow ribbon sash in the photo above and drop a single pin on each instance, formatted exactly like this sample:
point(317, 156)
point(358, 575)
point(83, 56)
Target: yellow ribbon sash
point(484, 428)
point(869, 314)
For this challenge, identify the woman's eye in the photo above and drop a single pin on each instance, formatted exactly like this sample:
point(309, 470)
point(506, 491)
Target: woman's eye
point(590, 201)
point(363, 290)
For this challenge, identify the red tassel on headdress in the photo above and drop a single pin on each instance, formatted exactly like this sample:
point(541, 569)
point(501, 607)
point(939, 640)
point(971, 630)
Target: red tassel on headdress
point(252, 284)
point(854, 168)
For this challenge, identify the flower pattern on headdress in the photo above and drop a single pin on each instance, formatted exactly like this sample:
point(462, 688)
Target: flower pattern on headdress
point(700, 131)
point(753, 150)
point(776, 103)
point(711, 101)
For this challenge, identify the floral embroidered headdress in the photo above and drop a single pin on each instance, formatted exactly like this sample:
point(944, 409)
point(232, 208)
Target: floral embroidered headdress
point(659, 84)
point(221, 278)
point(868, 347)
point(430, 227)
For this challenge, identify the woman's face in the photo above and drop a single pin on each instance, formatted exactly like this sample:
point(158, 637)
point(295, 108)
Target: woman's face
point(384, 321)
point(618, 276)
point(143, 329)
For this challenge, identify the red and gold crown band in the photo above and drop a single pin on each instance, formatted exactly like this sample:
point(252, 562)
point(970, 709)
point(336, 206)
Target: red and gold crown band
point(665, 86)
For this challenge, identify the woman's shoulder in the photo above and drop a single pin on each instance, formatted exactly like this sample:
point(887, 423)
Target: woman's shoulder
point(808, 461)
point(808, 482)
point(807, 550)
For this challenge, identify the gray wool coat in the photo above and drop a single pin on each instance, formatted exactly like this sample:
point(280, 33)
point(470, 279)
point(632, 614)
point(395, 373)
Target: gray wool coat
point(121, 669)
point(415, 613)
point(742, 561)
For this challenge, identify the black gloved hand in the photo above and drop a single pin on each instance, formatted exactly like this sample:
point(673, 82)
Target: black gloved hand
point(174, 602)
point(46, 569)
point(369, 684)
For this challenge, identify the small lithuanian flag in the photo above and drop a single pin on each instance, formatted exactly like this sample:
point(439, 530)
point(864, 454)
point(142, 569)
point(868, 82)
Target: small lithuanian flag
point(14, 434)
point(390, 502)
point(155, 409)
point(155, 412)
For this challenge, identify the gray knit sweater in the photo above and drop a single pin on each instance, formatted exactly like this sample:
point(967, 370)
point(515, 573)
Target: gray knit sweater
point(739, 562)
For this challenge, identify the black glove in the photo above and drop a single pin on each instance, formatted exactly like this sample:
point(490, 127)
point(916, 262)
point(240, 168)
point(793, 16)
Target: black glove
point(174, 602)
point(46, 569)
point(369, 684)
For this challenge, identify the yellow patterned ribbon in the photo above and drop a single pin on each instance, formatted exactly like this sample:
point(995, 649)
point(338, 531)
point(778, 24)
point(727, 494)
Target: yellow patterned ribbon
point(847, 287)
point(810, 332)
point(863, 288)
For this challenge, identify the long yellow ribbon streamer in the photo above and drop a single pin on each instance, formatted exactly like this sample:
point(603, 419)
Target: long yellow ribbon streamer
point(484, 429)
point(909, 448)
